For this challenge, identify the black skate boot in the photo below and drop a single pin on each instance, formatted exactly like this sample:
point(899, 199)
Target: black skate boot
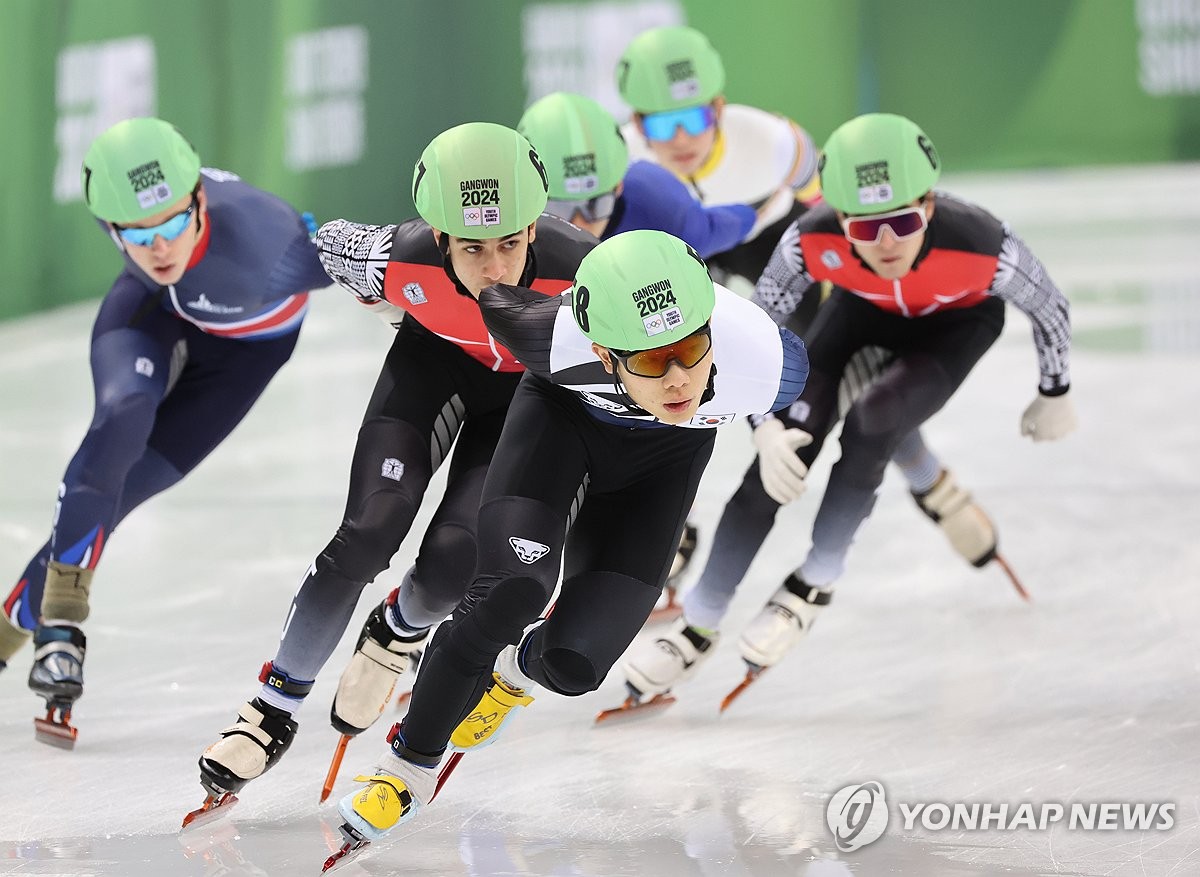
point(57, 676)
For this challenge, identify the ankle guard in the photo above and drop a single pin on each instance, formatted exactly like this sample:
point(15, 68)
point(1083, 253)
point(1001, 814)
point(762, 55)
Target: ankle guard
point(67, 590)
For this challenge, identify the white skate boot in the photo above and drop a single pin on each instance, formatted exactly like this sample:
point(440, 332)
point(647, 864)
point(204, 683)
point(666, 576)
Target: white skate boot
point(970, 531)
point(782, 622)
point(247, 748)
point(368, 681)
point(655, 666)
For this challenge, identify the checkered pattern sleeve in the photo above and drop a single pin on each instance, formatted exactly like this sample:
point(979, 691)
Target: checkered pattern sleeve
point(356, 256)
point(785, 280)
point(1021, 280)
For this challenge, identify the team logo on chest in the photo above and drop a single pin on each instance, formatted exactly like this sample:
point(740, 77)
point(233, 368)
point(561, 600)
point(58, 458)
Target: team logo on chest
point(414, 293)
point(831, 260)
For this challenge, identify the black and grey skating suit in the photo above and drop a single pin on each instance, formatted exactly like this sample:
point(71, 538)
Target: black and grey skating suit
point(444, 376)
point(936, 321)
point(576, 446)
point(176, 368)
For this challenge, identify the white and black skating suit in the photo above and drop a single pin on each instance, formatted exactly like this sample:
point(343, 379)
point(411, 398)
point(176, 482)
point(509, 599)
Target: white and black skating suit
point(754, 154)
point(445, 376)
point(936, 322)
point(176, 368)
point(575, 446)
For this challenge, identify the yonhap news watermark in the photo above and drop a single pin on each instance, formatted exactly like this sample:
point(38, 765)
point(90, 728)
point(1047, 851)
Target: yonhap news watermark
point(859, 814)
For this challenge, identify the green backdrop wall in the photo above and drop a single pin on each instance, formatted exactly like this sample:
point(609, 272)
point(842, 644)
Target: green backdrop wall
point(328, 103)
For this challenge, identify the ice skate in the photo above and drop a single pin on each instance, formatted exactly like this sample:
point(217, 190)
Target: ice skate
point(970, 531)
point(368, 681)
point(57, 677)
point(657, 665)
point(246, 750)
point(781, 624)
point(507, 692)
point(394, 793)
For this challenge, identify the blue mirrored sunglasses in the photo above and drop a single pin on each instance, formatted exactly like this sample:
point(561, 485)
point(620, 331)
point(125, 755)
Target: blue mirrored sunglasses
point(168, 231)
point(693, 120)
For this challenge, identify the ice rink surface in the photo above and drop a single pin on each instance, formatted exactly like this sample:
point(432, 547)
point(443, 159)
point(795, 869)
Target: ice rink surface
point(926, 675)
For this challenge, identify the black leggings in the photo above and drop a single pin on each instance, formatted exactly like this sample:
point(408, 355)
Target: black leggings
point(636, 487)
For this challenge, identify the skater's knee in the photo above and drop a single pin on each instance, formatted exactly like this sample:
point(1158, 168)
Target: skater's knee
point(116, 438)
point(500, 610)
point(877, 412)
point(360, 550)
point(569, 672)
point(445, 565)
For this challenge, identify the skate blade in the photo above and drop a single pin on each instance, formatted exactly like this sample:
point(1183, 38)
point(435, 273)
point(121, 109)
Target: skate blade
point(633, 708)
point(58, 732)
point(751, 675)
point(444, 773)
point(667, 612)
point(664, 614)
point(210, 811)
point(1012, 577)
point(200, 841)
point(354, 844)
point(334, 766)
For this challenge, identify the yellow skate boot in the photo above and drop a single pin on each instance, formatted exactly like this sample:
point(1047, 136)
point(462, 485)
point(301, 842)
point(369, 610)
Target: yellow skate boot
point(393, 794)
point(480, 727)
point(510, 688)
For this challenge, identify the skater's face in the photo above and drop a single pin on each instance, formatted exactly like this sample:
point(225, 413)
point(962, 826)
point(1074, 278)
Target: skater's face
point(176, 230)
point(898, 237)
point(674, 397)
point(682, 140)
point(479, 264)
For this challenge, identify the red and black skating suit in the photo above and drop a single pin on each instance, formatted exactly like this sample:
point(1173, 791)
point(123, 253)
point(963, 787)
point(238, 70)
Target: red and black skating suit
point(936, 322)
point(444, 378)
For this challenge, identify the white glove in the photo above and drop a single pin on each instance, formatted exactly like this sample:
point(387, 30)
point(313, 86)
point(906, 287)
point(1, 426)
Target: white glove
point(772, 210)
point(1049, 418)
point(781, 470)
point(386, 311)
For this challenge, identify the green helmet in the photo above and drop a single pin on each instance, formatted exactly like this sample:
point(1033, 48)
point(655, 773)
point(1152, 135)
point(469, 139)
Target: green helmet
point(137, 168)
point(479, 181)
point(641, 289)
point(876, 163)
point(584, 152)
point(669, 68)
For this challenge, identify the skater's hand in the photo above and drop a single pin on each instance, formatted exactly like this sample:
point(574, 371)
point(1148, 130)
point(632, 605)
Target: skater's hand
point(781, 470)
point(386, 311)
point(1049, 418)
